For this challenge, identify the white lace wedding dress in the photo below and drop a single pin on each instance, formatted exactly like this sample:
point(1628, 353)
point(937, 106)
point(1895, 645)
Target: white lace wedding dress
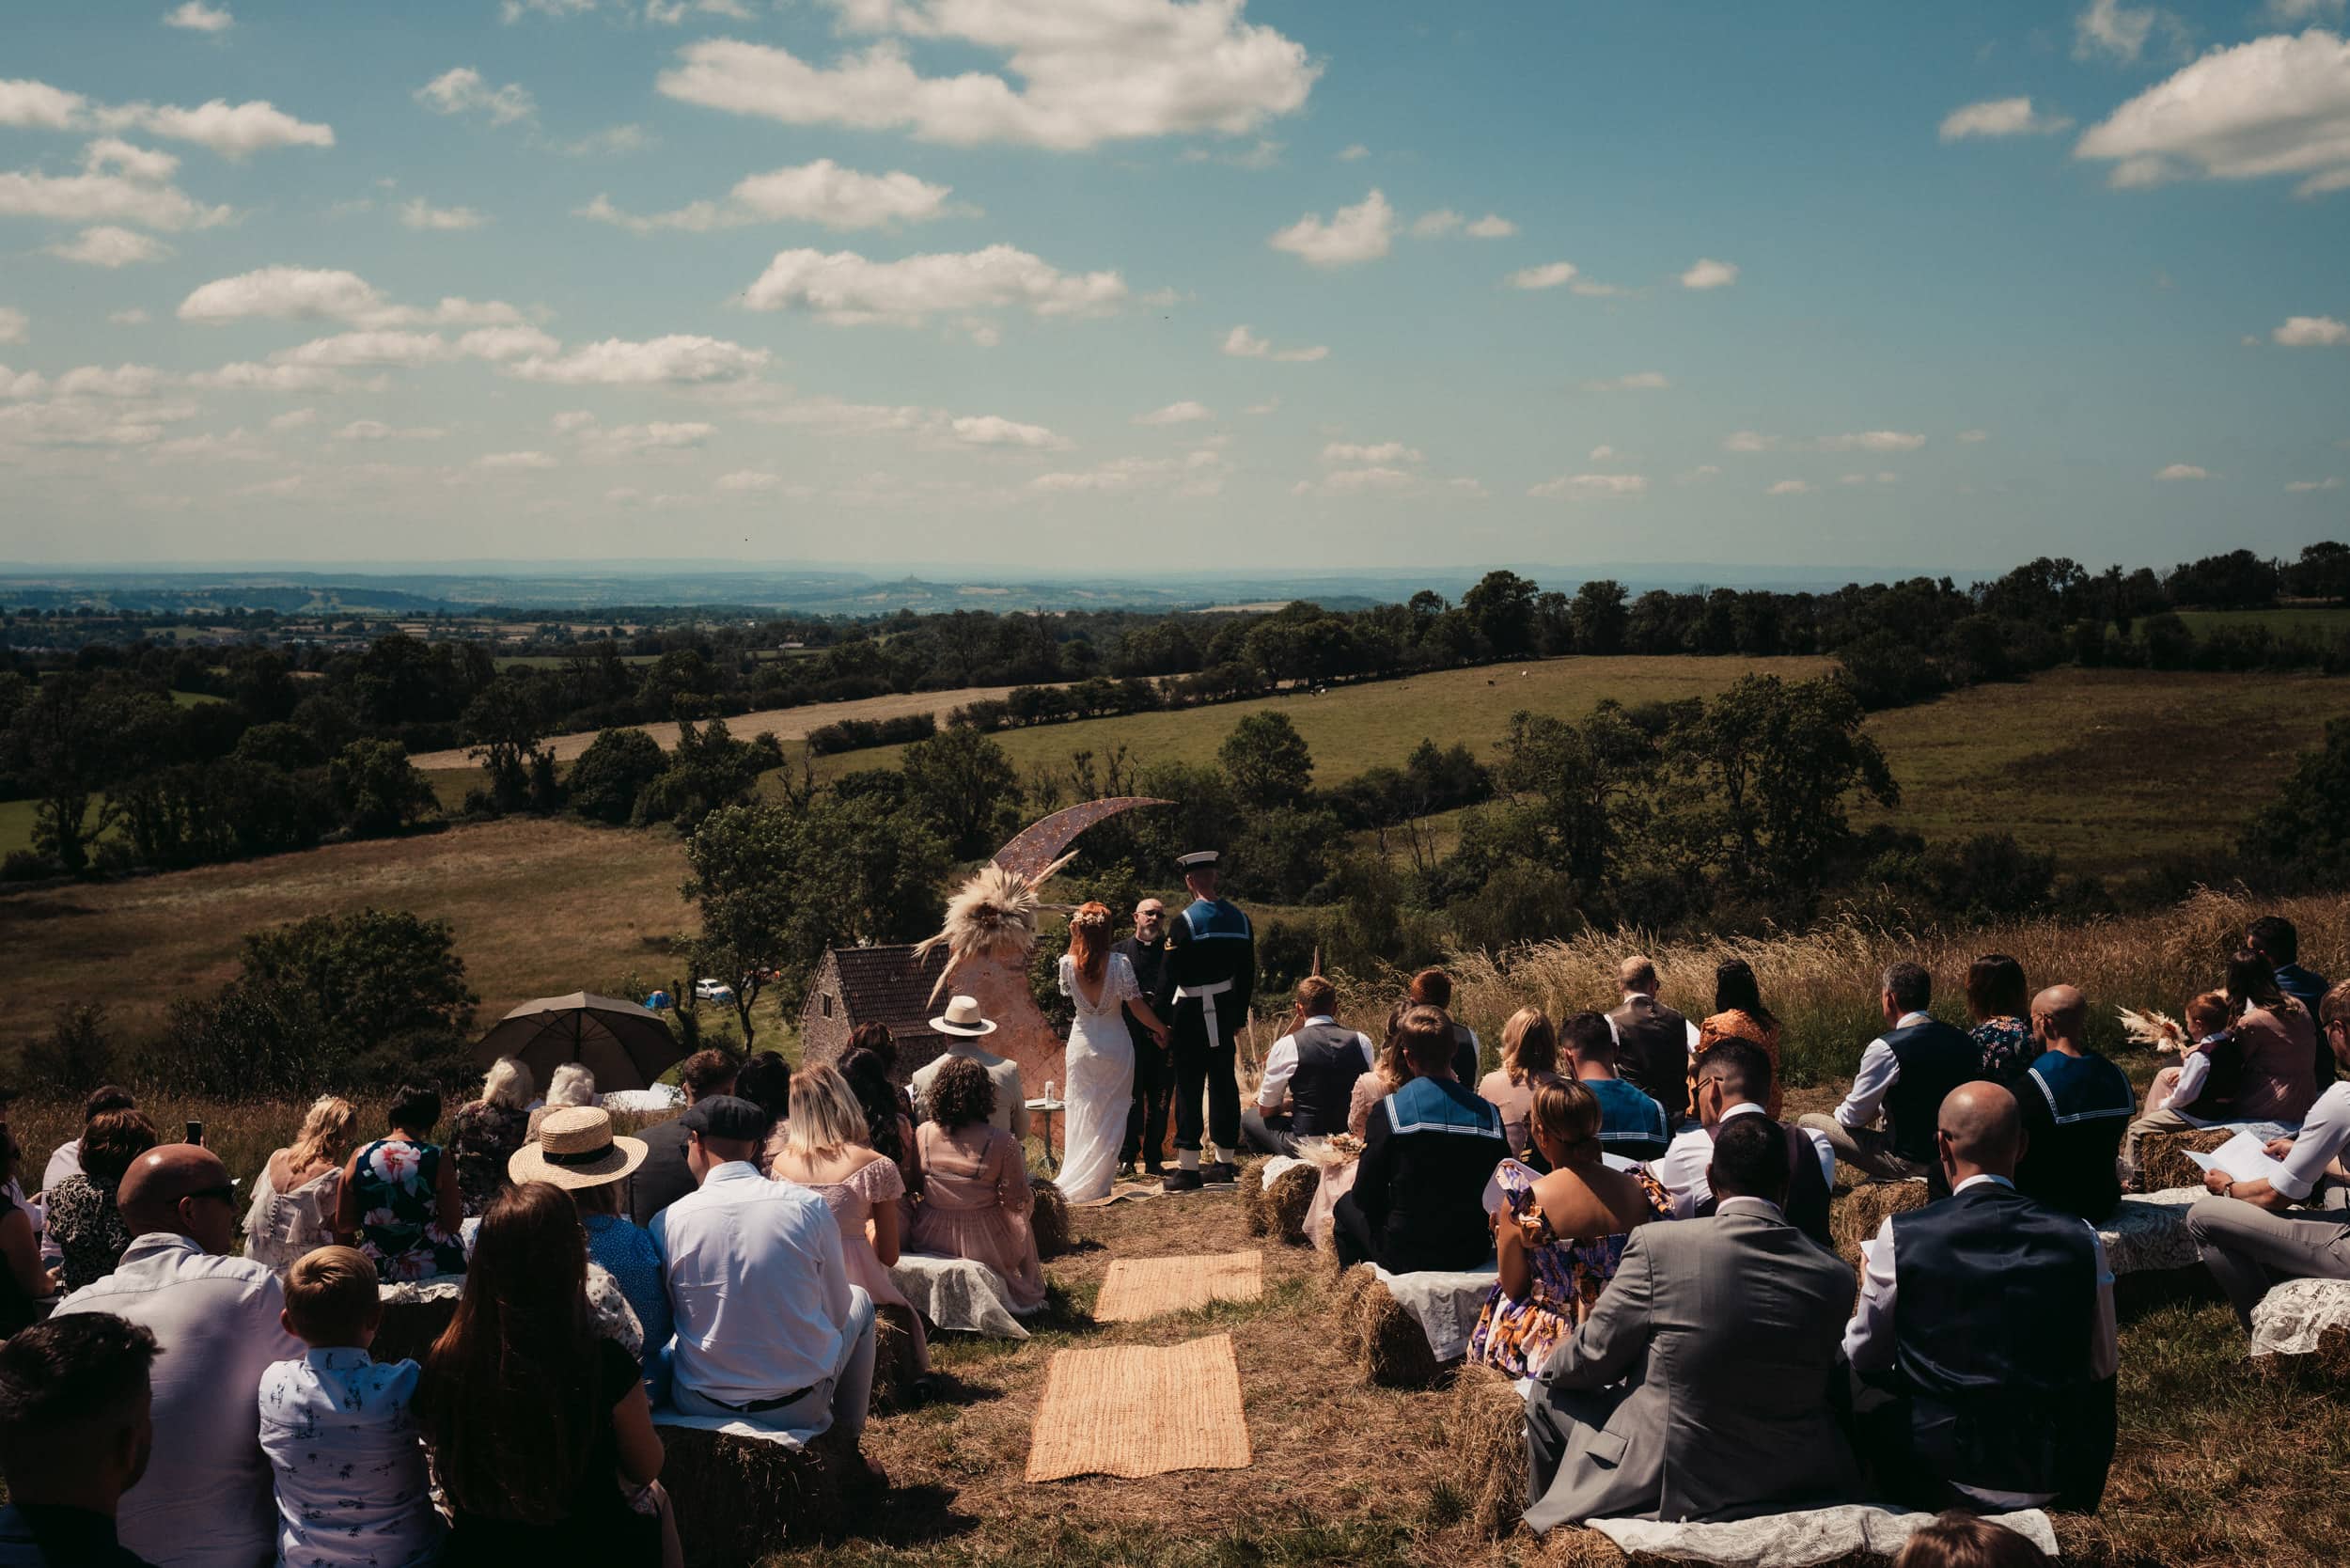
point(1100, 1086)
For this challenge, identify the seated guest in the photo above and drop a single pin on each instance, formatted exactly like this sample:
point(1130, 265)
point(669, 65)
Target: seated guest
point(24, 1280)
point(66, 1159)
point(576, 1153)
point(400, 1203)
point(1999, 1354)
point(1434, 988)
point(964, 1027)
point(976, 1200)
point(544, 1478)
point(216, 1320)
point(2247, 1236)
point(2076, 1105)
point(351, 1484)
point(571, 1085)
point(1733, 1080)
point(82, 1221)
point(1389, 1072)
point(2278, 945)
point(2210, 1067)
point(1558, 1238)
point(765, 1081)
point(75, 1433)
point(825, 1152)
point(1311, 1069)
point(2262, 1068)
point(1962, 1540)
point(662, 1179)
point(1726, 1330)
point(888, 1129)
point(1530, 1059)
point(1653, 1043)
point(1739, 1015)
point(294, 1202)
point(2002, 1028)
point(483, 1135)
point(1903, 1075)
point(770, 1327)
point(1417, 1202)
point(1631, 1122)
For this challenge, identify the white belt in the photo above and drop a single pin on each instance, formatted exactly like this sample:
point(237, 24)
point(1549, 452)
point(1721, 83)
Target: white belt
point(1205, 995)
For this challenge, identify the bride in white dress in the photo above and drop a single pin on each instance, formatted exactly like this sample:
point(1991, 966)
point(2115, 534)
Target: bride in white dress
point(1101, 1065)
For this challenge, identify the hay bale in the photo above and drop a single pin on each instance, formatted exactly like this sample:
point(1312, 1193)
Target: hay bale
point(1385, 1343)
point(1048, 1220)
point(2162, 1161)
point(1284, 1205)
point(1253, 1218)
point(1484, 1428)
point(894, 1371)
point(1856, 1216)
point(740, 1499)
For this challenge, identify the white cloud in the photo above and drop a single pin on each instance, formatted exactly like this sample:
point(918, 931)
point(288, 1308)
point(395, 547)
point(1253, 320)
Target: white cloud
point(1871, 441)
point(1268, 406)
point(22, 383)
point(31, 105)
point(1591, 486)
point(515, 460)
point(1379, 453)
point(1194, 475)
point(1431, 225)
point(618, 441)
point(294, 420)
point(196, 16)
point(1603, 453)
point(611, 140)
point(1353, 152)
point(135, 316)
point(1639, 381)
point(1184, 412)
point(993, 430)
point(845, 288)
point(679, 359)
point(420, 213)
point(232, 129)
point(97, 380)
point(502, 343)
point(14, 324)
point(1355, 481)
point(2311, 332)
point(247, 376)
point(117, 181)
point(2302, 487)
point(511, 11)
point(376, 430)
point(1493, 225)
point(288, 485)
point(2118, 32)
point(2000, 117)
point(2278, 105)
point(1698, 475)
point(299, 294)
point(1973, 437)
point(351, 350)
point(1107, 71)
point(1241, 343)
point(2178, 471)
point(1879, 478)
point(820, 192)
point(748, 480)
point(463, 90)
point(1747, 441)
point(1358, 233)
point(1550, 275)
point(2291, 13)
point(1790, 487)
point(105, 245)
point(1706, 273)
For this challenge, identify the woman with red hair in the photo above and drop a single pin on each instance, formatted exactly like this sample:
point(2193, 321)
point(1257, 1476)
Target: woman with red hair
point(1100, 1081)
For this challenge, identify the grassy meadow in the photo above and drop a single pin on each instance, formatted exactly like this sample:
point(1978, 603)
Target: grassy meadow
point(2283, 620)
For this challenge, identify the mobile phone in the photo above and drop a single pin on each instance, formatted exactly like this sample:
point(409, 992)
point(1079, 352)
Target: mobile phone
point(196, 1132)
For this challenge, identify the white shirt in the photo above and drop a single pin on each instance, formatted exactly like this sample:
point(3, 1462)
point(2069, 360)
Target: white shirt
point(65, 1162)
point(758, 1284)
point(351, 1487)
point(1280, 1063)
point(2323, 1136)
point(1763, 1206)
point(1629, 997)
point(1680, 1169)
point(1869, 1337)
point(206, 1500)
point(1880, 1069)
point(2194, 1068)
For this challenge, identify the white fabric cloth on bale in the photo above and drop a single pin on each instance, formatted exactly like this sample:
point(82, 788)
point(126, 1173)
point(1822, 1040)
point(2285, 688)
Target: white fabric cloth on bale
point(2292, 1315)
point(1100, 1079)
point(961, 1294)
point(1445, 1306)
point(2149, 1233)
point(1800, 1540)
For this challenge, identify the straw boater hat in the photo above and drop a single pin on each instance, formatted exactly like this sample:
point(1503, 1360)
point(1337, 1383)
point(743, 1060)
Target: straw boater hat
point(576, 1149)
point(962, 1017)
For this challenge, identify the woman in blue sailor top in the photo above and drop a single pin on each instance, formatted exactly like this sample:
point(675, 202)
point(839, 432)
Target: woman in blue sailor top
point(1418, 1201)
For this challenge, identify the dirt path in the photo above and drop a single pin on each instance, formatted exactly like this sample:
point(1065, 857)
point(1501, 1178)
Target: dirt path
point(784, 724)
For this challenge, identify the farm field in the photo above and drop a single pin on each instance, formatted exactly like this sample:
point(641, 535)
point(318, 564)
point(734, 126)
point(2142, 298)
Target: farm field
point(2311, 620)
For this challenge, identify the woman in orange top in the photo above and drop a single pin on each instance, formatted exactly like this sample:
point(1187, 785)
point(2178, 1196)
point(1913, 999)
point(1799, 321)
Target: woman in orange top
point(1739, 1015)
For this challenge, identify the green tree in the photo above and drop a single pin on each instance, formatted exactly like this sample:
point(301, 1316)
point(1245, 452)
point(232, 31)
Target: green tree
point(1267, 760)
point(1772, 766)
point(612, 772)
point(1502, 606)
point(2305, 826)
point(963, 786)
point(709, 768)
point(66, 742)
point(503, 724)
point(1598, 616)
point(377, 790)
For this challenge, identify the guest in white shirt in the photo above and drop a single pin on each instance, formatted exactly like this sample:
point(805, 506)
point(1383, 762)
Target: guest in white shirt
point(352, 1491)
point(769, 1329)
point(66, 1160)
point(2246, 1235)
point(1734, 1079)
point(1308, 1074)
point(206, 1500)
point(1995, 1372)
point(1905, 1074)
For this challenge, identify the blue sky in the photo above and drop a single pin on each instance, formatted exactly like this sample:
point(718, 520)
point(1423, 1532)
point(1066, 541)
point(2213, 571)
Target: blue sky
point(1122, 285)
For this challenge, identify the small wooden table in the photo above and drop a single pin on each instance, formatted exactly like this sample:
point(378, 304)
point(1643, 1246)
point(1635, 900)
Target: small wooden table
point(1046, 1108)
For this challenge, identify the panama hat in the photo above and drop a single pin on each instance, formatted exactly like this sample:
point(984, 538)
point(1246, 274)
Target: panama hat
point(962, 1017)
point(575, 1148)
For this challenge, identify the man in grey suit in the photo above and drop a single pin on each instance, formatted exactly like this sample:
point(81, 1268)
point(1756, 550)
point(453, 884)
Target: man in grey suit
point(1727, 1329)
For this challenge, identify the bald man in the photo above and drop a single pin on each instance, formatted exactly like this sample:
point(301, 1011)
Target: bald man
point(205, 1499)
point(2076, 1106)
point(1985, 1334)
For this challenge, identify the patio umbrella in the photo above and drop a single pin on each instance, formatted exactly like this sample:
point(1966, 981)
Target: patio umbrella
point(624, 1046)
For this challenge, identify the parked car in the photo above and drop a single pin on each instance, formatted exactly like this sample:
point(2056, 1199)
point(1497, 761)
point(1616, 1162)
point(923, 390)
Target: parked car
point(713, 991)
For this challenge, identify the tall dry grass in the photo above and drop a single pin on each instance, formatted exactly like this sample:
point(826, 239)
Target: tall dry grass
point(1823, 983)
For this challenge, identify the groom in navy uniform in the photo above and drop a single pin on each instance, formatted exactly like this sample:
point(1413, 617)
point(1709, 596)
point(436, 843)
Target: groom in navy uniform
point(1212, 958)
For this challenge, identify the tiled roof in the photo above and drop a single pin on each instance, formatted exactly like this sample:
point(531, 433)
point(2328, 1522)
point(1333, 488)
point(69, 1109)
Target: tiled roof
point(888, 985)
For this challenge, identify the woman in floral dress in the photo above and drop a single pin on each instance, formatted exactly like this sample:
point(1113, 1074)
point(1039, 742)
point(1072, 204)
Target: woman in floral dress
point(400, 1203)
point(1559, 1238)
point(1998, 1001)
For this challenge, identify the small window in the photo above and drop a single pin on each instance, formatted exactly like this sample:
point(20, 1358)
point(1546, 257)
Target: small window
point(828, 1004)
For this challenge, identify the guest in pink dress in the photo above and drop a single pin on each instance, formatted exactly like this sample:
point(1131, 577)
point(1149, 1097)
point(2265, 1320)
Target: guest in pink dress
point(823, 1147)
point(975, 1201)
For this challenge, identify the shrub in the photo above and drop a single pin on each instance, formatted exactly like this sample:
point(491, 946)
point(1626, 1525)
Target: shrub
point(612, 772)
point(77, 1055)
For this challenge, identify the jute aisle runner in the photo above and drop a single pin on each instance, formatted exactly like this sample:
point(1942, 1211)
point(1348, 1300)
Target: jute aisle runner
point(1138, 1288)
point(1140, 1411)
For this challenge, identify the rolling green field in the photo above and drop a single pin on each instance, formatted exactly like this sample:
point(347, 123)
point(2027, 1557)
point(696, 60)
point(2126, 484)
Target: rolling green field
point(2323, 624)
